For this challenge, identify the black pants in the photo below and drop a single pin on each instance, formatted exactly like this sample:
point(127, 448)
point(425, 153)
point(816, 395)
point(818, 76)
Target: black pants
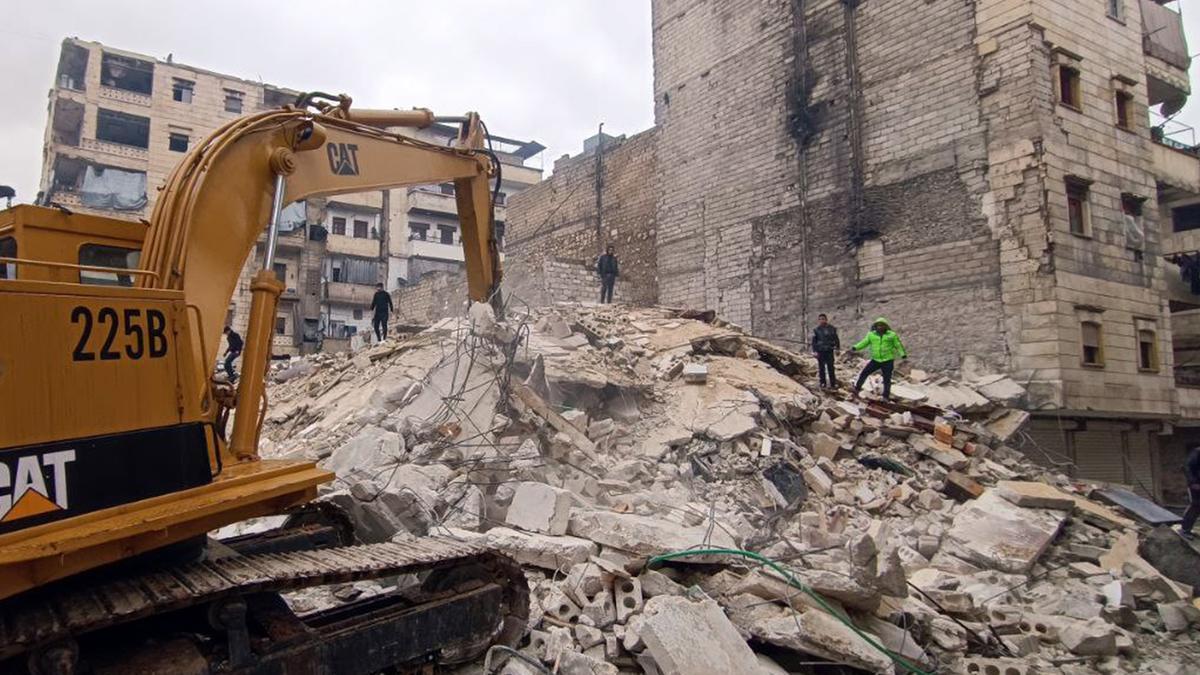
point(872, 366)
point(229, 358)
point(607, 282)
point(379, 323)
point(825, 367)
point(1193, 512)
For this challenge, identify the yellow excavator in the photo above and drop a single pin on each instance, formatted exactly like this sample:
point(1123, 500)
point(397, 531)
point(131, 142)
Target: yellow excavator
point(120, 452)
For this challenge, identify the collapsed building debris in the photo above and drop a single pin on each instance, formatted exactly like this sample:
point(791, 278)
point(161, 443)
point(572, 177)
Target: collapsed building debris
point(685, 500)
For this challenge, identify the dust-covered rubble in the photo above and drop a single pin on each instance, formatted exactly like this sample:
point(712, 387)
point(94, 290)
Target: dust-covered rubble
point(685, 499)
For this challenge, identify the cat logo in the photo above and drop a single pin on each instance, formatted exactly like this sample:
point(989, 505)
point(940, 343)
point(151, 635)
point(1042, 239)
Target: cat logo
point(24, 489)
point(343, 158)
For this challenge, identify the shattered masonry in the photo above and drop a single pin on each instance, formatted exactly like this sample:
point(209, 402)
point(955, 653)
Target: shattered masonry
point(616, 435)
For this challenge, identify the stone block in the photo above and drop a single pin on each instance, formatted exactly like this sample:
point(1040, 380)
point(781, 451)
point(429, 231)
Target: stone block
point(537, 507)
point(686, 637)
point(961, 487)
point(695, 373)
point(818, 481)
point(1035, 495)
point(1091, 638)
point(824, 445)
point(588, 636)
point(941, 453)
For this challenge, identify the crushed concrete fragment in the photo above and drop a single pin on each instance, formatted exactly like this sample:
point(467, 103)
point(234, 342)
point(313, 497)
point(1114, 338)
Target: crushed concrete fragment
point(687, 637)
point(993, 532)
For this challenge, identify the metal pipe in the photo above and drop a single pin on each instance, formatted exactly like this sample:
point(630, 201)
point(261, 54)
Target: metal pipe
point(273, 231)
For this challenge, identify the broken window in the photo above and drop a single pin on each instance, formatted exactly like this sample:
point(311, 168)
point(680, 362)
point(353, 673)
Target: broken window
point(177, 142)
point(446, 188)
point(1078, 214)
point(129, 74)
point(274, 98)
point(68, 173)
point(233, 101)
point(360, 229)
point(67, 124)
point(293, 216)
point(8, 249)
point(98, 255)
point(281, 325)
point(353, 270)
point(1124, 103)
point(418, 231)
point(500, 198)
point(182, 90)
point(1131, 211)
point(72, 67)
point(280, 271)
point(446, 234)
point(1147, 351)
point(339, 225)
point(1116, 9)
point(1068, 87)
point(1093, 347)
point(122, 128)
point(358, 313)
point(1185, 218)
point(111, 188)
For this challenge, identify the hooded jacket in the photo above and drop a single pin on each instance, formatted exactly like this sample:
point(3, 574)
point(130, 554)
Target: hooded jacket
point(884, 347)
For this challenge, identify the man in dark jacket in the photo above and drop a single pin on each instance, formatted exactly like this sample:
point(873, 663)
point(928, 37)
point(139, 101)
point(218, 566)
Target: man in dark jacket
point(825, 342)
point(1191, 470)
point(233, 349)
point(606, 267)
point(381, 307)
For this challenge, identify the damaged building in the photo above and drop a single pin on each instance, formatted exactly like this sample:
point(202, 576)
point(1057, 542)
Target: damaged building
point(999, 178)
point(119, 122)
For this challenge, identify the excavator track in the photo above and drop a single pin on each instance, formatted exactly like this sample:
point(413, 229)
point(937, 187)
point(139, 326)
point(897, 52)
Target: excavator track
point(469, 590)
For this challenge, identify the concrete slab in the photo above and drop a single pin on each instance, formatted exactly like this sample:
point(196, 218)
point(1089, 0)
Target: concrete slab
point(686, 637)
point(644, 535)
point(537, 507)
point(993, 532)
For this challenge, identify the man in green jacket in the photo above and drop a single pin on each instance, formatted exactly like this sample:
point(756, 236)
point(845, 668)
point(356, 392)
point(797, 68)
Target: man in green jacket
point(883, 347)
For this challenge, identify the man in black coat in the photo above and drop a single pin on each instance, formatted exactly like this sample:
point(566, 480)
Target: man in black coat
point(1191, 470)
point(233, 349)
point(381, 308)
point(825, 343)
point(606, 267)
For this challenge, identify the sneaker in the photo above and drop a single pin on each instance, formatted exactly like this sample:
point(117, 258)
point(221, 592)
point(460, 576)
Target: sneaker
point(1187, 535)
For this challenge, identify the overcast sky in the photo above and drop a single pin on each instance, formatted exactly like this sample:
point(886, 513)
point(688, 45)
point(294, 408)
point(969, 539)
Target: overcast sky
point(535, 70)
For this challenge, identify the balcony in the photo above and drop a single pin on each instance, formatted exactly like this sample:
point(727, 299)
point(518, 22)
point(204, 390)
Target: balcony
point(430, 201)
point(1164, 42)
point(126, 96)
point(350, 294)
point(359, 247)
point(117, 149)
point(436, 250)
point(1177, 166)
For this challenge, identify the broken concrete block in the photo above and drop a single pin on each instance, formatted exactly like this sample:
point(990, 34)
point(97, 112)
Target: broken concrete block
point(1118, 594)
point(1090, 638)
point(559, 606)
point(687, 637)
point(537, 507)
point(930, 499)
point(817, 481)
point(539, 550)
point(601, 609)
point(928, 546)
point(695, 373)
point(1035, 495)
point(993, 532)
point(584, 581)
point(945, 455)
point(632, 641)
point(588, 636)
point(576, 418)
point(1177, 616)
point(643, 535)
point(574, 663)
point(824, 445)
point(981, 666)
point(628, 596)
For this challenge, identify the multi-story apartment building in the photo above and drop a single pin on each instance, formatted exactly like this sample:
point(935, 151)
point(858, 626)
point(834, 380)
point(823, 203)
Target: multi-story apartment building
point(120, 121)
point(982, 172)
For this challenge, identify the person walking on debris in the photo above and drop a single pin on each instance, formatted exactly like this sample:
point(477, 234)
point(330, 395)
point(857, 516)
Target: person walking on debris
point(233, 349)
point(606, 267)
point(825, 342)
point(1192, 471)
point(381, 306)
point(883, 346)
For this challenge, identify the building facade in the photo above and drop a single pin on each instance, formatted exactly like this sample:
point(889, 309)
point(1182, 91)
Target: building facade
point(119, 122)
point(982, 172)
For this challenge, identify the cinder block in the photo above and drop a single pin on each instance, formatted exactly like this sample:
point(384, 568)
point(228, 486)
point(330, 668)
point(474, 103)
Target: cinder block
point(628, 596)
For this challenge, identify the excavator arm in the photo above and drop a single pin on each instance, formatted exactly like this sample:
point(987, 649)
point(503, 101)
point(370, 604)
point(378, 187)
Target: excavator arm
point(218, 200)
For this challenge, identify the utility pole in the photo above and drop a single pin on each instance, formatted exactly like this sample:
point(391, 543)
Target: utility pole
point(600, 188)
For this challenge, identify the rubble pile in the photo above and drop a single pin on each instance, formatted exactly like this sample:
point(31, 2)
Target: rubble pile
point(684, 499)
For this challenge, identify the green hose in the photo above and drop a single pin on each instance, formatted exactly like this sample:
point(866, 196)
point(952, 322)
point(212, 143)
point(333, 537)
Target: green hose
point(797, 584)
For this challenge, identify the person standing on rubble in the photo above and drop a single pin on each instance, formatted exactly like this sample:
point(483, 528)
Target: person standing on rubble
point(233, 349)
point(883, 346)
point(606, 267)
point(825, 342)
point(381, 307)
point(1191, 469)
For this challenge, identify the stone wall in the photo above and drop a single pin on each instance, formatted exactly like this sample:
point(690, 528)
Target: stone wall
point(555, 220)
point(435, 296)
